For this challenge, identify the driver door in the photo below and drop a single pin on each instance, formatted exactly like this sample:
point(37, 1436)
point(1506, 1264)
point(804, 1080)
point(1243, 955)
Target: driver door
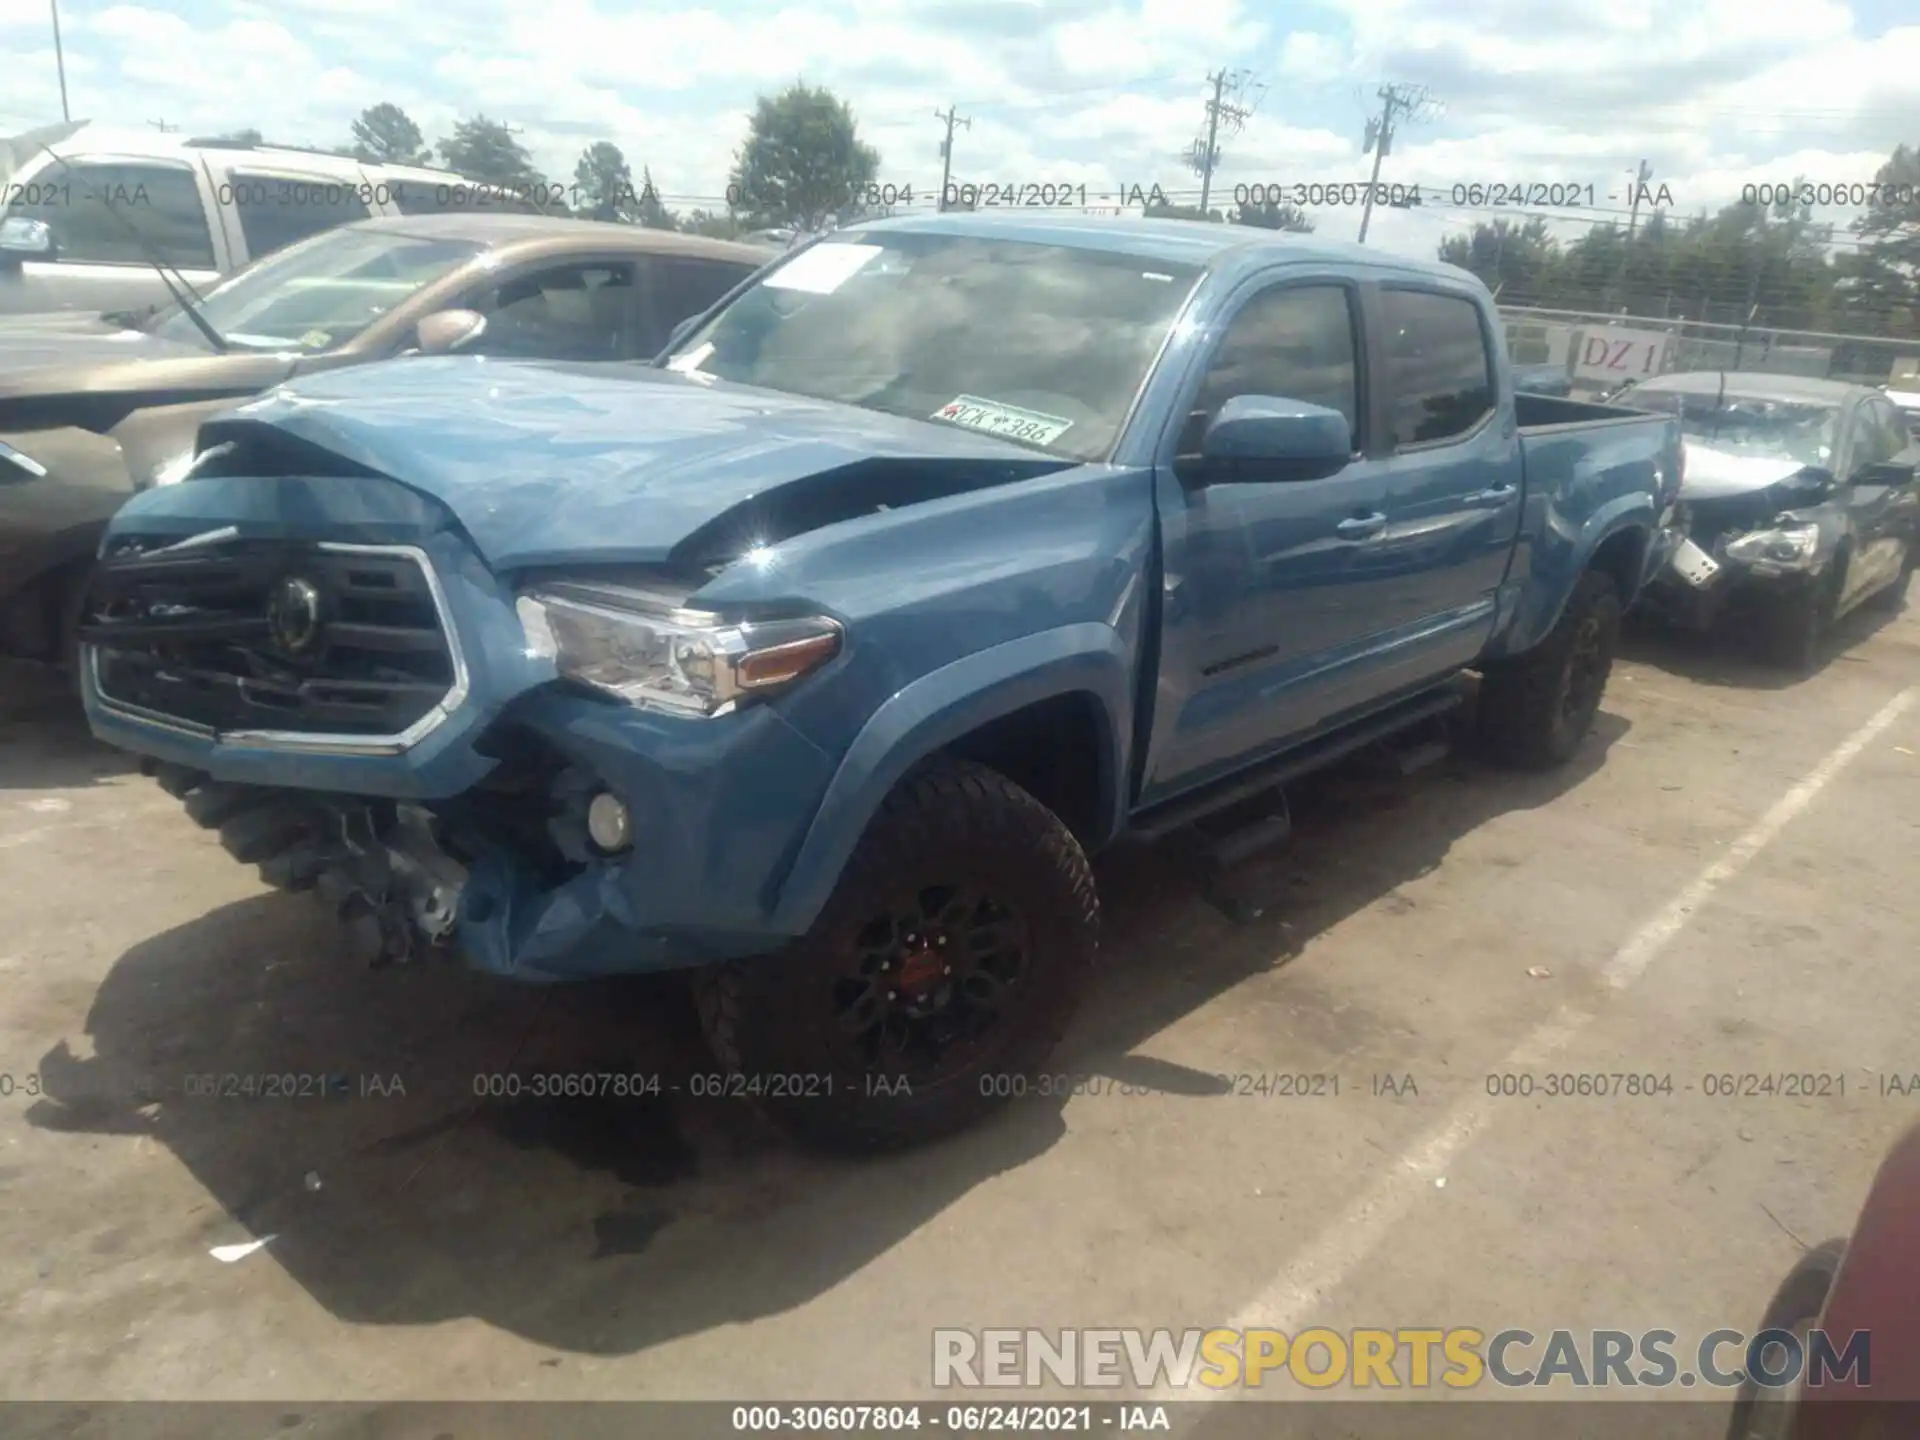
point(1878, 503)
point(1271, 589)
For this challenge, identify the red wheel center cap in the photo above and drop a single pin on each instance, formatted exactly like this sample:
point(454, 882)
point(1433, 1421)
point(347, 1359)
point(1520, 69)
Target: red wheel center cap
point(920, 972)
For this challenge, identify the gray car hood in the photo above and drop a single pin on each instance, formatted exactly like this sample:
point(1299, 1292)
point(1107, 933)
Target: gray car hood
point(1713, 474)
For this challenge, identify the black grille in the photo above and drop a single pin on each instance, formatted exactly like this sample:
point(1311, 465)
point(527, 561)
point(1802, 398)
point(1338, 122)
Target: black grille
point(191, 635)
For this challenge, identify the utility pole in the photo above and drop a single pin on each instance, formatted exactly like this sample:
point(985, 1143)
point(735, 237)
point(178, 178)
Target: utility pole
point(1206, 153)
point(1396, 102)
point(946, 148)
point(1633, 221)
point(163, 127)
point(60, 59)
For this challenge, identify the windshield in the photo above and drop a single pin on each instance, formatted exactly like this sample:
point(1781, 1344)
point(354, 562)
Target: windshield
point(1044, 345)
point(321, 292)
point(1750, 426)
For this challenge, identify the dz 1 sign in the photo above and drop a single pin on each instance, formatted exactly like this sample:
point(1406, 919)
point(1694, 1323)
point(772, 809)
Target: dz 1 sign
point(1619, 355)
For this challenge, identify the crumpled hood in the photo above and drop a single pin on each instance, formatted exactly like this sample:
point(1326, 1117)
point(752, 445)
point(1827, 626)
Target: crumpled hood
point(1713, 474)
point(555, 463)
point(63, 353)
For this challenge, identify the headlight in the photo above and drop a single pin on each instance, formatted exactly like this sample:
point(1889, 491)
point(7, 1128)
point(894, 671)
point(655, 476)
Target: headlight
point(1790, 545)
point(682, 662)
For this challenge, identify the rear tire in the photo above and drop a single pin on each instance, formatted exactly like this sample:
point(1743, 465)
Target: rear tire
point(1760, 1413)
point(939, 975)
point(1536, 708)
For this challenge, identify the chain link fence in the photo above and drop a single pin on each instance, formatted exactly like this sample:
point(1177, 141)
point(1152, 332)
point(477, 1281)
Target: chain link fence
point(1600, 351)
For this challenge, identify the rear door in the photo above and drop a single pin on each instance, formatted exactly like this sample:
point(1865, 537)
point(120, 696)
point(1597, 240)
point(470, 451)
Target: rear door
point(100, 208)
point(1453, 466)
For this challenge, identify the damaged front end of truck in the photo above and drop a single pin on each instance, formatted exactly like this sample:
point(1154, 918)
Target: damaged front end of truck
point(466, 691)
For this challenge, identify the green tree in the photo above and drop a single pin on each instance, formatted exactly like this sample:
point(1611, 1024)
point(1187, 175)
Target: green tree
point(486, 150)
point(1514, 260)
point(803, 162)
point(386, 135)
point(717, 226)
point(249, 136)
point(1879, 284)
point(603, 185)
point(1274, 215)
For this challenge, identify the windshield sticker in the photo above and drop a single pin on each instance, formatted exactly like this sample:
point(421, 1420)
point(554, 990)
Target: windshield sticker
point(823, 268)
point(996, 419)
point(316, 339)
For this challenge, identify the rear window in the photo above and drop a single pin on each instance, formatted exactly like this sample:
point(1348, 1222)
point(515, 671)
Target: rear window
point(1439, 373)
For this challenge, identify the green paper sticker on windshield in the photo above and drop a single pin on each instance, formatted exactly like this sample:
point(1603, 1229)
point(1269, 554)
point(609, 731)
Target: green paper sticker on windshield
point(316, 339)
point(1008, 420)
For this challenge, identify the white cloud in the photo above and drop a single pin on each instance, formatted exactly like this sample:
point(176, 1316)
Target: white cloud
point(1105, 93)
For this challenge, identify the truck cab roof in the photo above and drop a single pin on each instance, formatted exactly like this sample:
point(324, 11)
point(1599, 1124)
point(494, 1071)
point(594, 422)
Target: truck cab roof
point(1212, 245)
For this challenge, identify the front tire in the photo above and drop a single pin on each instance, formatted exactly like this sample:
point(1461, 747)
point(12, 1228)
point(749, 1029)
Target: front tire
point(1536, 708)
point(1795, 629)
point(939, 975)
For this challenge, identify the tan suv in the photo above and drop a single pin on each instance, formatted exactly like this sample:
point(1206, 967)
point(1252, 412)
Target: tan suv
point(68, 236)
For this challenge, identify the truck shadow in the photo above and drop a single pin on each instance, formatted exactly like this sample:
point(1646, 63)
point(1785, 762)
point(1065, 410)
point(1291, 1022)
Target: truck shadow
point(399, 1190)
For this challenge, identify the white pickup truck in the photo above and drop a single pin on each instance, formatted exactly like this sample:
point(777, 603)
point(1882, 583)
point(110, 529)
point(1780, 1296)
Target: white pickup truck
point(81, 205)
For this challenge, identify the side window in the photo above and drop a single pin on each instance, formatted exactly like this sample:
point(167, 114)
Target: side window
point(1295, 342)
point(562, 312)
point(276, 210)
point(95, 208)
point(681, 288)
point(1439, 374)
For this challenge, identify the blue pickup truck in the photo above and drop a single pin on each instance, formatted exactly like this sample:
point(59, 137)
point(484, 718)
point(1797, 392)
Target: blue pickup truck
point(818, 655)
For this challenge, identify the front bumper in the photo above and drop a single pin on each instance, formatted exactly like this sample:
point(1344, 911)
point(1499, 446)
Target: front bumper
point(721, 807)
point(1697, 590)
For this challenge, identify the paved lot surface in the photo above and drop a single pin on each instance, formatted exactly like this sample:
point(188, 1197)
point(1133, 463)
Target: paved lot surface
point(1724, 883)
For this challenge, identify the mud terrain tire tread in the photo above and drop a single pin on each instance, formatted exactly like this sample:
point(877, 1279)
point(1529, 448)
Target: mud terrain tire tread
point(1520, 699)
point(752, 1010)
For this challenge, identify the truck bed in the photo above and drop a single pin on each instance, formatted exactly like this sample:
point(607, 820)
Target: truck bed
point(1538, 413)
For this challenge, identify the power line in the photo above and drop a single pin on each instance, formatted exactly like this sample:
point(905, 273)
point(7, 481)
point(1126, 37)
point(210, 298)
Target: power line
point(1396, 101)
point(1206, 152)
point(946, 150)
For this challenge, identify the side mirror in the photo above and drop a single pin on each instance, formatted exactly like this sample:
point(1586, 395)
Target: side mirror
point(445, 331)
point(1890, 473)
point(1263, 437)
point(23, 239)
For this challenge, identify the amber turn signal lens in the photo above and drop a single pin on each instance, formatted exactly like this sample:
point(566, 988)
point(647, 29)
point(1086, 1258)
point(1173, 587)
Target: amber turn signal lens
point(777, 664)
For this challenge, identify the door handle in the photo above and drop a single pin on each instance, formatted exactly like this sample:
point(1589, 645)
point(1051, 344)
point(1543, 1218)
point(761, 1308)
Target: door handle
point(1498, 495)
point(1359, 527)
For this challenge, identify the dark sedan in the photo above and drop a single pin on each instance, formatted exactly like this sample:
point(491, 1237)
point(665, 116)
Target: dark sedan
point(1798, 501)
point(93, 409)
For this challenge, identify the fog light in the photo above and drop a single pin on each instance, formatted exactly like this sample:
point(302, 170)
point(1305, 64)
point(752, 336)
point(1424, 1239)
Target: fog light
point(609, 824)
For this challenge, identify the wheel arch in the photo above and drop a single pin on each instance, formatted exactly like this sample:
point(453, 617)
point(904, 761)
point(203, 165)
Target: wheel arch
point(1063, 694)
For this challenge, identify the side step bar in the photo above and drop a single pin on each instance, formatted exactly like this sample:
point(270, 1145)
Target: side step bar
point(1183, 810)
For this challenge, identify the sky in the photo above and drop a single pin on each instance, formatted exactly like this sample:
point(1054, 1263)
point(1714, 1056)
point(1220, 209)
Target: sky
point(1713, 94)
